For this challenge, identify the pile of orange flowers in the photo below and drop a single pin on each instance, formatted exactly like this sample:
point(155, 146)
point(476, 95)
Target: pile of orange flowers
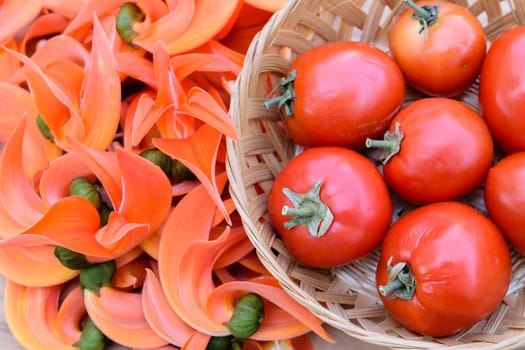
point(115, 220)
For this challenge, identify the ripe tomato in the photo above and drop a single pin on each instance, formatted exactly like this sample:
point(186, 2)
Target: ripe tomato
point(505, 198)
point(330, 205)
point(452, 268)
point(442, 57)
point(437, 149)
point(340, 93)
point(502, 90)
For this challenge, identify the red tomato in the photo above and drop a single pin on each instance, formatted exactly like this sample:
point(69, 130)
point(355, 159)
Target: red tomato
point(330, 205)
point(505, 198)
point(455, 265)
point(442, 150)
point(502, 90)
point(340, 93)
point(445, 58)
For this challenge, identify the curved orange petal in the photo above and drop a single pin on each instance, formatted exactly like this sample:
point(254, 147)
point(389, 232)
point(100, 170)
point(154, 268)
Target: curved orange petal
point(180, 229)
point(252, 262)
point(129, 257)
point(159, 314)
point(195, 283)
point(132, 274)
point(170, 93)
point(169, 90)
point(37, 151)
point(8, 226)
point(70, 315)
point(105, 167)
point(302, 342)
point(70, 222)
point(267, 5)
point(17, 193)
point(38, 331)
point(44, 25)
point(68, 76)
point(146, 190)
point(15, 15)
point(145, 113)
point(56, 104)
point(185, 64)
point(237, 251)
point(198, 341)
point(56, 49)
point(120, 236)
point(56, 178)
point(284, 317)
point(33, 266)
point(100, 101)
point(83, 14)
point(226, 59)
point(67, 9)
point(119, 315)
point(228, 26)
point(209, 18)
point(199, 154)
point(137, 67)
point(8, 64)
point(169, 27)
point(202, 106)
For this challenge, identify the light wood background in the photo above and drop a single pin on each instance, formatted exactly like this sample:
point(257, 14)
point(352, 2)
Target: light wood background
point(7, 342)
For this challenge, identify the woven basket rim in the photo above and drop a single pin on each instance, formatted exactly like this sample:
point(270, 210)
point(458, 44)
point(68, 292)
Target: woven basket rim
point(235, 169)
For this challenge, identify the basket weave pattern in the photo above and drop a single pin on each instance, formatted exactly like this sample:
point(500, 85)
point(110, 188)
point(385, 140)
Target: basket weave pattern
point(344, 297)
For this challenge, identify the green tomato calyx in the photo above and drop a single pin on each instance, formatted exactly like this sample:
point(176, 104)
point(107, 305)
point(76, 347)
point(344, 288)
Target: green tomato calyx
point(286, 99)
point(390, 144)
point(426, 15)
point(308, 210)
point(401, 282)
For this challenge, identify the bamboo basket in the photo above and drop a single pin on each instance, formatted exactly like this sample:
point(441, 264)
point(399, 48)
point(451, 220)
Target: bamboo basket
point(343, 297)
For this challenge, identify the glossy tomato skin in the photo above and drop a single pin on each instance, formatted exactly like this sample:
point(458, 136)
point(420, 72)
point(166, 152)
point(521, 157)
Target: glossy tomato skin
point(445, 153)
point(504, 195)
point(447, 60)
point(461, 265)
point(355, 192)
point(502, 90)
point(344, 93)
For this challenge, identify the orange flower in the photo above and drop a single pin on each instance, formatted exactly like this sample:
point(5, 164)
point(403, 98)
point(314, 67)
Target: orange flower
point(80, 102)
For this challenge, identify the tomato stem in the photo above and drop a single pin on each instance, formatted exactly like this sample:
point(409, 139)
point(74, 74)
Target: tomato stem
point(390, 144)
point(427, 15)
point(286, 99)
point(401, 282)
point(421, 11)
point(308, 210)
